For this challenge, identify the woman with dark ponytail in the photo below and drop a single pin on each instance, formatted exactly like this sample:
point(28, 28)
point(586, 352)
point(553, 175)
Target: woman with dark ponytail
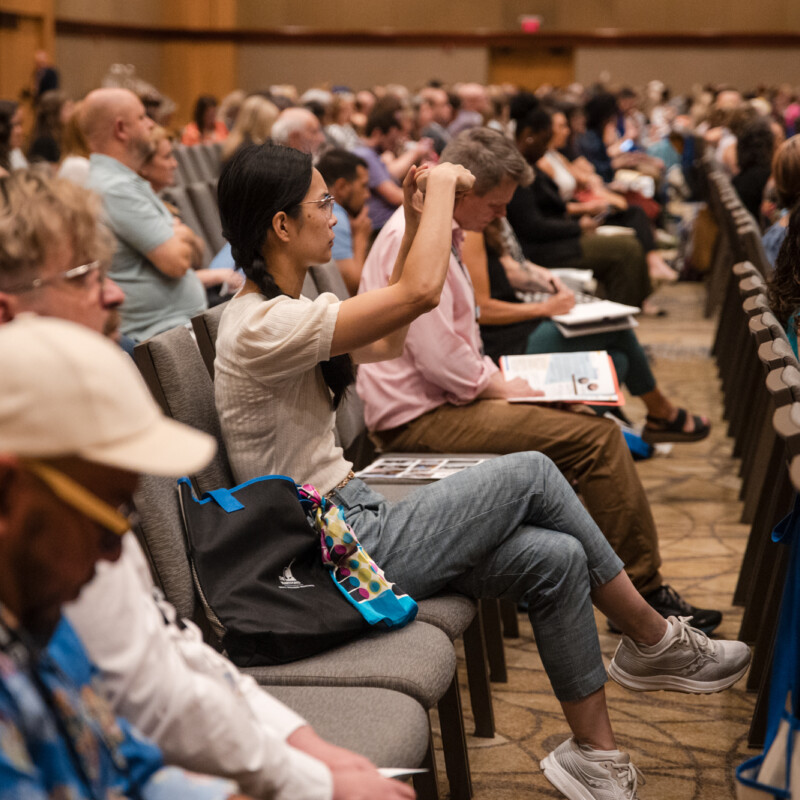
point(278, 217)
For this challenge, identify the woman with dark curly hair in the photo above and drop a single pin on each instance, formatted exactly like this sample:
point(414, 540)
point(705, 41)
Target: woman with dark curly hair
point(784, 287)
point(754, 150)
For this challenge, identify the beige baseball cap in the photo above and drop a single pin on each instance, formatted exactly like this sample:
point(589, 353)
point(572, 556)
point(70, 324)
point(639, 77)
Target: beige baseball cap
point(67, 391)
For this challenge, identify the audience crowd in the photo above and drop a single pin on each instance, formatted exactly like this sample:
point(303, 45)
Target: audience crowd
point(461, 219)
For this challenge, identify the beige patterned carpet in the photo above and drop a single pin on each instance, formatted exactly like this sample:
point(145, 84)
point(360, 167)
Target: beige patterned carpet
point(686, 746)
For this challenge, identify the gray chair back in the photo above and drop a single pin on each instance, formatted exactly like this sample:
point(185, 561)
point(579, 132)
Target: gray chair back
point(174, 371)
point(187, 171)
point(328, 279)
point(202, 165)
point(205, 206)
point(178, 196)
point(160, 531)
point(210, 153)
point(205, 327)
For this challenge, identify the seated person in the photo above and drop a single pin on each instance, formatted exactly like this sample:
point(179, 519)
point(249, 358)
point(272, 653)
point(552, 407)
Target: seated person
point(64, 472)
point(383, 132)
point(204, 127)
point(784, 285)
point(347, 178)
point(511, 527)
point(300, 129)
point(786, 178)
point(154, 668)
point(550, 237)
point(433, 114)
point(253, 124)
point(587, 194)
point(510, 327)
point(159, 171)
point(153, 260)
point(755, 148)
point(443, 395)
point(601, 146)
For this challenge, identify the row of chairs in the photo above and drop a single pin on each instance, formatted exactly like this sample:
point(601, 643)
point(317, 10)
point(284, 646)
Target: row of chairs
point(760, 379)
point(408, 671)
point(200, 163)
point(195, 193)
point(197, 207)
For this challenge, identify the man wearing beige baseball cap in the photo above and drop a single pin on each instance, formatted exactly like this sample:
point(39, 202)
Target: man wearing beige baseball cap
point(77, 425)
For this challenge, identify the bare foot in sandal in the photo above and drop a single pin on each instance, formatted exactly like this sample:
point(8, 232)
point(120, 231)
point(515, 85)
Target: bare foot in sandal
point(668, 423)
point(683, 427)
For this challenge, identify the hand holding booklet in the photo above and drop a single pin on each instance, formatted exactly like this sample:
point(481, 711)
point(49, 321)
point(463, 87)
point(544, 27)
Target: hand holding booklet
point(584, 377)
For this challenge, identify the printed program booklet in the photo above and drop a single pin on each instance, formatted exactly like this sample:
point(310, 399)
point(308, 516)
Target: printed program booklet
point(589, 315)
point(409, 470)
point(584, 377)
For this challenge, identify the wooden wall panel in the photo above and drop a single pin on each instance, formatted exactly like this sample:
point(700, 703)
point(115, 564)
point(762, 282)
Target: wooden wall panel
point(17, 47)
point(656, 15)
point(445, 15)
point(33, 30)
point(529, 70)
point(138, 12)
point(163, 13)
point(358, 67)
point(682, 68)
point(190, 69)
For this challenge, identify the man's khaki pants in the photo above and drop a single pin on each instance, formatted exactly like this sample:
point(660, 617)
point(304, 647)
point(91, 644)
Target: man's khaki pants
point(590, 452)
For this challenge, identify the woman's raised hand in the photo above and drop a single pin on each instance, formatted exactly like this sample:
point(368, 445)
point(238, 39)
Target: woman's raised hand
point(412, 197)
point(465, 180)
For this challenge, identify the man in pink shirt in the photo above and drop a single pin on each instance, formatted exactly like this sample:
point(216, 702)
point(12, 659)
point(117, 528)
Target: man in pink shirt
point(444, 395)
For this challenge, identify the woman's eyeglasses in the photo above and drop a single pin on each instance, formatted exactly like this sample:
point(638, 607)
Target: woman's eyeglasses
point(325, 203)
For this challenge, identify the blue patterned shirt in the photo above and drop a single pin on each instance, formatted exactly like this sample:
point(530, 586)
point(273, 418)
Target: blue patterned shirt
point(59, 740)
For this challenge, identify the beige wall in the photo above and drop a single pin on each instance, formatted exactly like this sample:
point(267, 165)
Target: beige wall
point(683, 67)
point(84, 60)
point(358, 67)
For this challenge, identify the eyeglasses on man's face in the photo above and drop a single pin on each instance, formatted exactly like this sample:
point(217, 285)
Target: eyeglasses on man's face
point(114, 521)
point(78, 277)
point(325, 203)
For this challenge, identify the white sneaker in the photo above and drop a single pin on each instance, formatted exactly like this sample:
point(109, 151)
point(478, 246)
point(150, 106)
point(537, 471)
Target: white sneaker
point(685, 660)
point(581, 773)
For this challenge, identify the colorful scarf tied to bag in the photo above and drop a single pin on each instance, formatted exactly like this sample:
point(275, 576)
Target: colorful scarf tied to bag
point(358, 577)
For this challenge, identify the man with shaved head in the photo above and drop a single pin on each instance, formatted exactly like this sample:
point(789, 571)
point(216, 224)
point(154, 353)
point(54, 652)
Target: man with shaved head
point(153, 260)
point(300, 129)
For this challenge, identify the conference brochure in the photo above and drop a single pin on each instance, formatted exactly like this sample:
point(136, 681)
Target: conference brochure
point(583, 377)
point(409, 469)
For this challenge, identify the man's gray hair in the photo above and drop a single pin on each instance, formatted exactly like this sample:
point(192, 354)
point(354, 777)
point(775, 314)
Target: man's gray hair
point(490, 157)
point(290, 120)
